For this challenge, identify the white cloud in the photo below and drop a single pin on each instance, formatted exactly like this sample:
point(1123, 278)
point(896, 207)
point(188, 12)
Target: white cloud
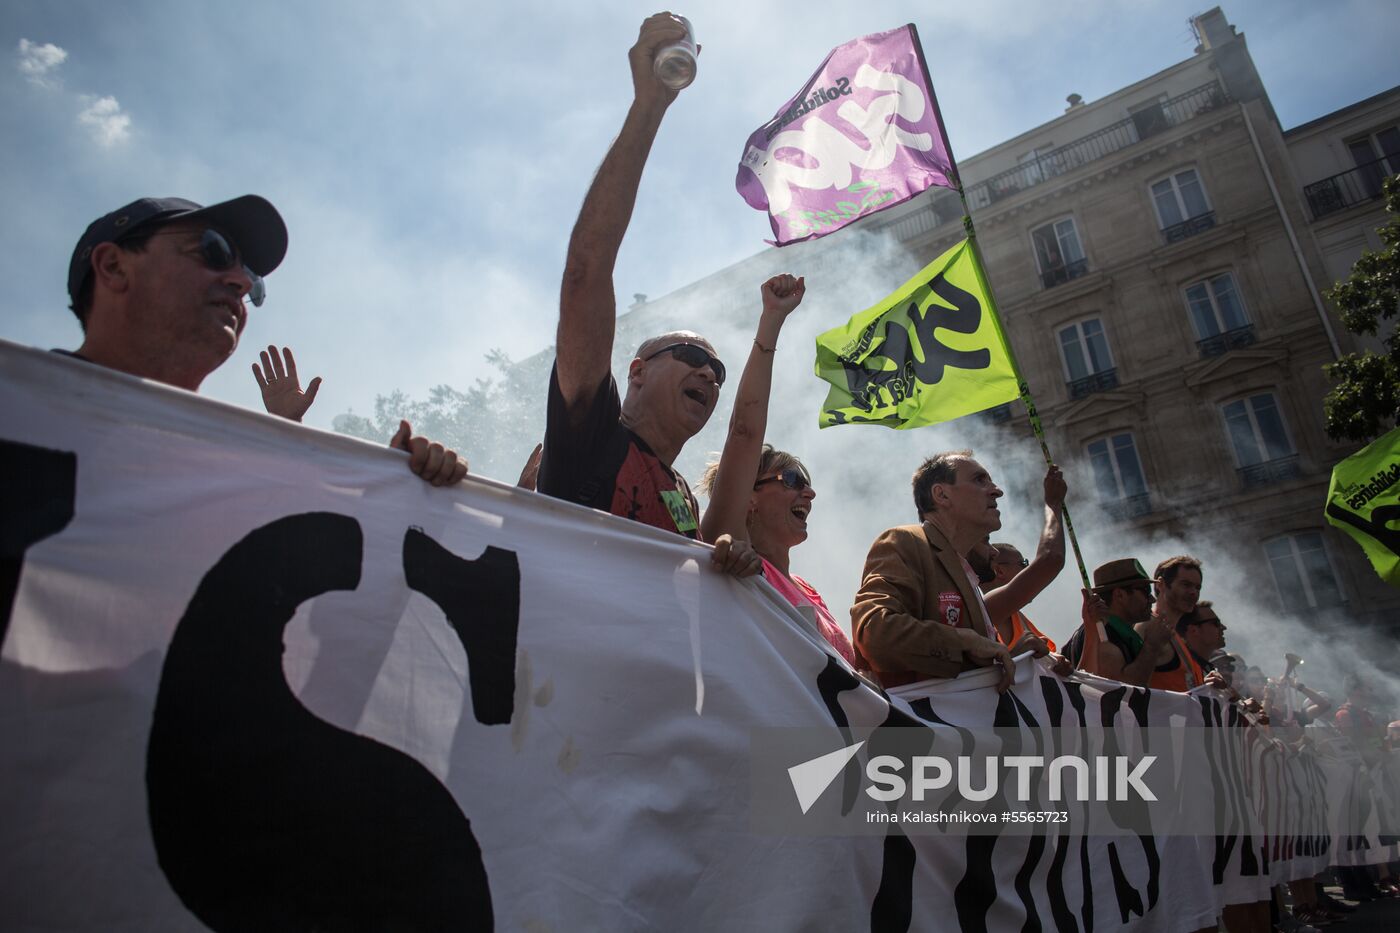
point(38, 62)
point(104, 119)
point(101, 116)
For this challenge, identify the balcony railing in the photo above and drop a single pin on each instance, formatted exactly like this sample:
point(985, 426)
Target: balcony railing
point(1141, 125)
point(1098, 382)
point(1270, 471)
point(1349, 188)
point(1059, 275)
point(1226, 341)
point(1129, 506)
point(1189, 227)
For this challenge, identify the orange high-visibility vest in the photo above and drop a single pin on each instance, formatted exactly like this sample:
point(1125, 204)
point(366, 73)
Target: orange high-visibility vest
point(1019, 626)
point(1176, 679)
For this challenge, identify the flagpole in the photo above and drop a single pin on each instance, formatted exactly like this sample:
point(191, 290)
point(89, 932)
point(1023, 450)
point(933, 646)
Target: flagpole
point(1031, 412)
point(996, 317)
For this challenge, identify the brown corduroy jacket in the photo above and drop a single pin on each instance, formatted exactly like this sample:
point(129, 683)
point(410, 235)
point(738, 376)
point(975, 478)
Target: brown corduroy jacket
point(913, 593)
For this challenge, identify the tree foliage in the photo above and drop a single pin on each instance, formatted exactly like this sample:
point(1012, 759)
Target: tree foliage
point(1366, 396)
point(494, 424)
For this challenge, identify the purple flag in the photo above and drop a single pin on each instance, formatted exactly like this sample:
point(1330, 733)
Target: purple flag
point(861, 136)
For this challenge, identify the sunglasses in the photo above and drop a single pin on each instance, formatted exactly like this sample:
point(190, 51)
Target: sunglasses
point(791, 478)
point(693, 356)
point(220, 256)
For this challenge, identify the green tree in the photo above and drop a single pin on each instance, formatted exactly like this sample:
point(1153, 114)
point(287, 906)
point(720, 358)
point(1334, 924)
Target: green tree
point(494, 424)
point(1366, 396)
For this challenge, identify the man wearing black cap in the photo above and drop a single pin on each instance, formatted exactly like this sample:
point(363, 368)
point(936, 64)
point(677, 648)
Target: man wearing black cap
point(158, 287)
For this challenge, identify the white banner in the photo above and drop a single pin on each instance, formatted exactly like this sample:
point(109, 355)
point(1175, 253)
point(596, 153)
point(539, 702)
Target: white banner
point(256, 676)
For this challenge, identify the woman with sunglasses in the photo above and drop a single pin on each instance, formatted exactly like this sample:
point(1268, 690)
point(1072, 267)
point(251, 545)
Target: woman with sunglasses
point(759, 494)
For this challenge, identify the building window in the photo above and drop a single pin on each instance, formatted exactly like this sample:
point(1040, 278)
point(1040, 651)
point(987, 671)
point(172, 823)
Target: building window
point(1383, 145)
point(1178, 198)
point(1084, 349)
point(1218, 315)
point(1377, 156)
point(1058, 252)
point(1256, 430)
point(998, 415)
point(1263, 452)
point(1303, 571)
point(1118, 475)
point(1215, 305)
point(1149, 119)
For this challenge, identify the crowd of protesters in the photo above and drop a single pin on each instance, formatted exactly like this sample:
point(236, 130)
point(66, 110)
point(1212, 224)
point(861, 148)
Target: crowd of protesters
point(159, 287)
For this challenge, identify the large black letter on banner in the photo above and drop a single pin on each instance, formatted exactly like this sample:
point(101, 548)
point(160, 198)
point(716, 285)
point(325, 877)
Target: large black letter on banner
point(892, 910)
point(37, 488)
point(481, 599)
point(265, 817)
point(834, 680)
point(1127, 813)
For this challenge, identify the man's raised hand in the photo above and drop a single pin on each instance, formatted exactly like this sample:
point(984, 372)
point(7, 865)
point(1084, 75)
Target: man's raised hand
point(783, 293)
point(658, 30)
point(281, 389)
point(1055, 488)
point(1094, 610)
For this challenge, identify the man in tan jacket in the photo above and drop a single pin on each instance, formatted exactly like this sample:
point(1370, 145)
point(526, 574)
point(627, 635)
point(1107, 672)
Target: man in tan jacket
point(919, 613)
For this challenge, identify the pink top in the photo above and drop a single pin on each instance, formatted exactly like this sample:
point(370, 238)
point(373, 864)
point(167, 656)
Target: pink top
point(798, 592)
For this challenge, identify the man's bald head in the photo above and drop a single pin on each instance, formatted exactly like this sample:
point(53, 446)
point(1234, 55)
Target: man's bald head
point(655, 344)
point(673, 384)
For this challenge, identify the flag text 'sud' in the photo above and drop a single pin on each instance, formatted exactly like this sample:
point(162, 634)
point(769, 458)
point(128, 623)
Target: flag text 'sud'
point(931, 352)
point(862, 135)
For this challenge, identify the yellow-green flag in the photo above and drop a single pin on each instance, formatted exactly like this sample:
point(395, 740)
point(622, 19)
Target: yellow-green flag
point(1364, 501)
point(931, 352)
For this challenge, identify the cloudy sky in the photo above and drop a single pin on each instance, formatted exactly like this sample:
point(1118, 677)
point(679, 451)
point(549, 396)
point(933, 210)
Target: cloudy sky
point(429, 157)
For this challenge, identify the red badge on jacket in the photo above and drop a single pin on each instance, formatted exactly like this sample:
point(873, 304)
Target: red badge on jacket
point(950, 608)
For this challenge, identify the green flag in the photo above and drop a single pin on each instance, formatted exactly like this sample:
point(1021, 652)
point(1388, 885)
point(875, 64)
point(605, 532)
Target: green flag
point(1364, 501)
point(931, 352)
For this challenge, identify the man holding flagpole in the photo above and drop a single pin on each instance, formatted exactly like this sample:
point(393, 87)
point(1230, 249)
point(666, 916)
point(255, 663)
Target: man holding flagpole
point(601, 451)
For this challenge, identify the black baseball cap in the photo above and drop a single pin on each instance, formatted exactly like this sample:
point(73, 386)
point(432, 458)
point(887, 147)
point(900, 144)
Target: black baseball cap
point(252, 222)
